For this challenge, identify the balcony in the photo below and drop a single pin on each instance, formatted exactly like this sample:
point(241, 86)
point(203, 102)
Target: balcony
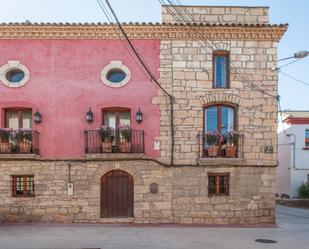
point(111, 141)
point(228, 145)
point(22, 141)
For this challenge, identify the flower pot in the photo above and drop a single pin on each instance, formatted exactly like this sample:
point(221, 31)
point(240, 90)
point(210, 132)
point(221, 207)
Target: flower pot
point(125, 147)
point(25, 147)
point(107, 146)
point(230, 151)
point(5, 147)
point(213, 150)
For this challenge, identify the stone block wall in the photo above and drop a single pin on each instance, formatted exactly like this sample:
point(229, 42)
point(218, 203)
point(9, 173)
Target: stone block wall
point(216, 14)
point(182, 196)
point(186, 72)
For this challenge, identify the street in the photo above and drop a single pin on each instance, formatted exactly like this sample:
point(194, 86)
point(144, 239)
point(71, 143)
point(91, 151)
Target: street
point(292, 233)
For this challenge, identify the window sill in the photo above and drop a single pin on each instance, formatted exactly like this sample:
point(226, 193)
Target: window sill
point(115, 156)
point(221, 161)
point(306, 148)
point(19, 156)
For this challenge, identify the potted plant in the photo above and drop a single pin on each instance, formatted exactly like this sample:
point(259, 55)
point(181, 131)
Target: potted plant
point(212, 142)
point(24, 140)
point(125, 139)
point(5, 145)
point(231, 138)
point(106, 134)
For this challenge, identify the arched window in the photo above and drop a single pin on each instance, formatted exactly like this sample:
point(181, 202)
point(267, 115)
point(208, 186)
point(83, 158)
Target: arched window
point(219, 118)
point(220, 138)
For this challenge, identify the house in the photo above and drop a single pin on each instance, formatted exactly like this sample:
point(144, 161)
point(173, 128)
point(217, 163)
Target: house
point(89, 136)
point(293, 154)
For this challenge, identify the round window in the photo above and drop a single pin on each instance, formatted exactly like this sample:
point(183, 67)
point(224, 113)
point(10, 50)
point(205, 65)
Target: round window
point(15, 75)
point(116, 75)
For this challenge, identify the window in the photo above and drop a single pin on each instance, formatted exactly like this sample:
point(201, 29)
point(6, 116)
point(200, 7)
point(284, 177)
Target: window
point(14, 74)
point(307, 138)
point(115, 117)
point(23, 186)
point(115, 74)
point(219, 118)
point(218, 184)
point(18, 118)
point(221, 74)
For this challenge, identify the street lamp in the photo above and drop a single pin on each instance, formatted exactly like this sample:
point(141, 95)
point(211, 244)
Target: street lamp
point(298, 55)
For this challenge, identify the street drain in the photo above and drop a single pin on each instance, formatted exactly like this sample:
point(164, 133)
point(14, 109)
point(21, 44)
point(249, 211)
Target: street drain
point(266, 241)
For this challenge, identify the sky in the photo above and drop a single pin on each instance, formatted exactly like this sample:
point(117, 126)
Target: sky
point(294, 95)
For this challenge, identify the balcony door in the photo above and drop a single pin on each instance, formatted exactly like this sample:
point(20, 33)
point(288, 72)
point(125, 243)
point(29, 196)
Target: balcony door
point(18, 118)
point(116, 117)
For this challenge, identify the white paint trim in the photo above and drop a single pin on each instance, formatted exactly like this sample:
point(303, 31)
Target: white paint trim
point(115, 65)
point(14, 65)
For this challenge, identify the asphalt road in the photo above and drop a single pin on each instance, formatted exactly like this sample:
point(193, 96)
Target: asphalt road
point(292, 233)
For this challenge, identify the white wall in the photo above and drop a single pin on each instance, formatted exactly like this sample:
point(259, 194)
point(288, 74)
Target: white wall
point(284, 158)
point(288, 178)
point(299, 174)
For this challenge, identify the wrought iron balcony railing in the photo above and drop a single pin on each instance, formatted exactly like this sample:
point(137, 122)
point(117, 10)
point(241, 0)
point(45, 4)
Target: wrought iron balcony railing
point(22, 141)
point(229, 145)
point(114, 141)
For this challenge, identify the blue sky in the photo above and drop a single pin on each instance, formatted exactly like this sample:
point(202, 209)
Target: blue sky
point(294, 95)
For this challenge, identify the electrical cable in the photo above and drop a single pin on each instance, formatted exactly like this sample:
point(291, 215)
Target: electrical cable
point(293, 78)
point(141, 60)
point(186, 23)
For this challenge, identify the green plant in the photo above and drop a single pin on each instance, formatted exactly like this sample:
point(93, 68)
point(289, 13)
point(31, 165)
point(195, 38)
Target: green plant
point(212, 138)
point(5, 135)
point(106, 133)
point(231, 138)
point(303, 191)
point(24, 135)
point(126, 132)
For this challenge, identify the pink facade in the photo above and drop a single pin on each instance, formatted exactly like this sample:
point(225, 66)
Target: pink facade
point(65, 80)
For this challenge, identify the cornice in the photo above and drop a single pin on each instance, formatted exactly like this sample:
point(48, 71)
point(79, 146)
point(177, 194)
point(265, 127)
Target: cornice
point(142, 31)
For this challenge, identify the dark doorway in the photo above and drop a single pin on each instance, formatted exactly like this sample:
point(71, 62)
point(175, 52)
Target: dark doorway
point(117, 194)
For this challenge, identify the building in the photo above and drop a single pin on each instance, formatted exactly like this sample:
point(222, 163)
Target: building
point(293, 154)
point(202, 150)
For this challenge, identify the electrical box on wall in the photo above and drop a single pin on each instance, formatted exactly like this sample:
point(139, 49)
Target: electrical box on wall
point(70, 189)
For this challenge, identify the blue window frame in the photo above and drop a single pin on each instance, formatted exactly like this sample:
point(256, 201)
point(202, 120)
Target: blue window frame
point(221, 69)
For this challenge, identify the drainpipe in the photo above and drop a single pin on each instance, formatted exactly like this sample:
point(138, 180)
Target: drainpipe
point(294, 149)
point(294, 152)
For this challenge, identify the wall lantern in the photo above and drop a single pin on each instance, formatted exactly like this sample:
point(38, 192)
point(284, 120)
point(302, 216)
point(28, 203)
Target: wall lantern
point(89, 116)
point(37, 117)
point(139, 116)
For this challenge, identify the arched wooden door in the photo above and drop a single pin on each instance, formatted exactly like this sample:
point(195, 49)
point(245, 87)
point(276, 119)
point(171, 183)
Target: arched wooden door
point(117, 194)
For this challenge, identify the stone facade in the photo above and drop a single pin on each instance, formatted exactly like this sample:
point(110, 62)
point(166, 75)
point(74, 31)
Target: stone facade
point(217, 14)
point(182, 195)
point(186, 72)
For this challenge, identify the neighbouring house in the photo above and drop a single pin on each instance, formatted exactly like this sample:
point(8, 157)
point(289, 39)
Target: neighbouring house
point(293, 152)
point(87, 136)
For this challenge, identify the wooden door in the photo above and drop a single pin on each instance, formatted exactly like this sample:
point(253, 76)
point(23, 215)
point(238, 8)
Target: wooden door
point(117, 194)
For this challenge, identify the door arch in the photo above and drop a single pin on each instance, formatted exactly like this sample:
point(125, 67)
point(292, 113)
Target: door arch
point(117, 194)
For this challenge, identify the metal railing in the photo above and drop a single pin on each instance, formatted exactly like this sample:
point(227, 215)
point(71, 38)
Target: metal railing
point(117, 142)
point(20, 141)
point(220, 146)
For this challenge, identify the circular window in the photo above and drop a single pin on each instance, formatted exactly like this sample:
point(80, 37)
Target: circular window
point(115, 74)
point(14, 74)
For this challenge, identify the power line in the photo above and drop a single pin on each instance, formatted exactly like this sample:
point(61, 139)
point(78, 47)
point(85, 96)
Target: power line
point(293, 78)
point(177, 15)
point(141, 60)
